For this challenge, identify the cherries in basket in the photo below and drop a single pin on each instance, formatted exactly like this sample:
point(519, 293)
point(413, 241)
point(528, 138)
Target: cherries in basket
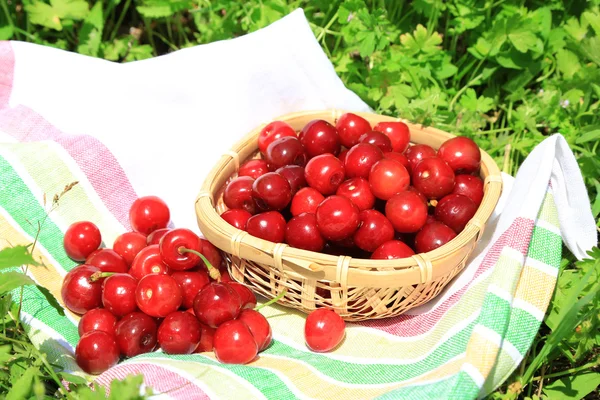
point(355, 189)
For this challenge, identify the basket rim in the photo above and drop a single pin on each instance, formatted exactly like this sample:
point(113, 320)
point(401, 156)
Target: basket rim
point(260, 250)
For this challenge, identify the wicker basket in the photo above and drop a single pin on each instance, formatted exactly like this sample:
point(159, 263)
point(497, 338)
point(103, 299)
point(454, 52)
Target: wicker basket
point(357, 289)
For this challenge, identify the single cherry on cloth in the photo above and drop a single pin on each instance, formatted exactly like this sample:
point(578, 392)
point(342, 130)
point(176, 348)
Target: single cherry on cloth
point(350, 128)
point(271, 191)
point(253, 168)
point(401, 158)
point(155, 236)
point(378, 139)
point(81, 239)
point(433, 177)
point(148, 261)
point(190, 283)
point(432, 236)
point(358, 191)
point(388, 177)
point(236, 218)
point(374, 230)
point(273, 131)
point(461, 153)
point(407, 211)
point(398, 133)
point(179, 333)
point(302, 232)
point(391, 250)
point(269, 226)
point(320, 137)
point(129, 244)
point(470, 186)
point(217, 303)
point(323, 330)
point(285, 151)
point(238, 194)
point(136, 334)
point(306, 200)
point(294, 175)
point(337, 218)
point(78, 291)
point(179, 249)
point(233, 343)
point(206, 338)
point(96, 352)
point(455, 210)
point(149, 213)
point(97, 319)
point(325, 173)
point(118, 294)
point(360, 159)
point(248, 298)
point(158, 295)
point(259, 326)
point(418, 152)
point(108, 260)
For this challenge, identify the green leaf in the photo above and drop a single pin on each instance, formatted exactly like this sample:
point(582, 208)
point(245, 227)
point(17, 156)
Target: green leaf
point(513, 59)
point(70, 9)
point(576, 30)
point(367, 43)
point(542, 17)
point(573, 387)
point(592, 17)
point(43, 14)
point(421, 41)
point(23, 387)
point(163, 8)
point(6, 354)
point(5, 305)
point(74, 379)
point(52, 300)
point(588, 136)
point(6, 32)
point(556, 40)
point(568, 63)
point(90, 35)
point(523, 40)
point(470, 101)
point(12, 280)
point(15, 257)
point(139, 53)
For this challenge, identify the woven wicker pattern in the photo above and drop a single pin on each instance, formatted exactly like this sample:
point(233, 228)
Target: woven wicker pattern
point(357, 289)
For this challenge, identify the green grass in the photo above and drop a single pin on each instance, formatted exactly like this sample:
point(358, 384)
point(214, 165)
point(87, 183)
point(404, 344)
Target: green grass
point(505, 73)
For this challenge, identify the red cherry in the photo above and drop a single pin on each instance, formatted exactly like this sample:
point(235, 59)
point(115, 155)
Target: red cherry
point(179, 333)
point(432, 236)
point(325, 173)
point(374, 230)
point(238, 194)
point(173, 246)
point(155, 236)
point(455, 210)
point(398, 133)
point(92, 254)
point(407, 211)
point(320, 137)
point(418, 152)
point(323, 330)
point(236, 218)
point(248, 298)
point(148, 214)
point(211, 253)
point(388, 177)
point(253, 168)
point(285, 151)
point(217, 303)
point(358, 191)
point(401, 158)
point(190, 283)
point(269, 226)
point(272, 192)
point(294, 175)
point(158, 295)
point(337, 218)
point(306, 200)
point(233, 343)
point(342, 156)
point(461, 153)
point(272, 132)
point(377, 139)
point(96, 352)
point(360, 159)
point(433, 177)
point(350, 128)
point(259, 327)
point(108, 261)
point(78, 292)
point(129, 244)
point(97, 319)
point(118, 294)
point(470, 186)
point(148, 261)
point(206, 339)
point(136, 334)
point(302, 232)
point(81, 239)
point(392, 250)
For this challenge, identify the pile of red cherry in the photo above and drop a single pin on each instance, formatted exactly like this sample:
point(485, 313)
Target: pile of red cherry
point(355, 189)
point(166, 288)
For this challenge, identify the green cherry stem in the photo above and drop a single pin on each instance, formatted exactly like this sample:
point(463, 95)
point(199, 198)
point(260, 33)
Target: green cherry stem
point(96, 276)
point(273, 300)
point(212, 271)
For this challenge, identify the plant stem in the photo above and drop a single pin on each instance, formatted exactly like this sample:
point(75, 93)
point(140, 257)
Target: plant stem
point(212, 271)
point(119, 21)
point(462, 90)
point(506, 164)
point(569, 371)
point(273, 300)
point(324, 29)
point(7, 14)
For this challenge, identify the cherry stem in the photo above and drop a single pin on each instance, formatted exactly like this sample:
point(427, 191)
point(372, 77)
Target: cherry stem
point(96, 276)
point(212, 271)
point(274, 300)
